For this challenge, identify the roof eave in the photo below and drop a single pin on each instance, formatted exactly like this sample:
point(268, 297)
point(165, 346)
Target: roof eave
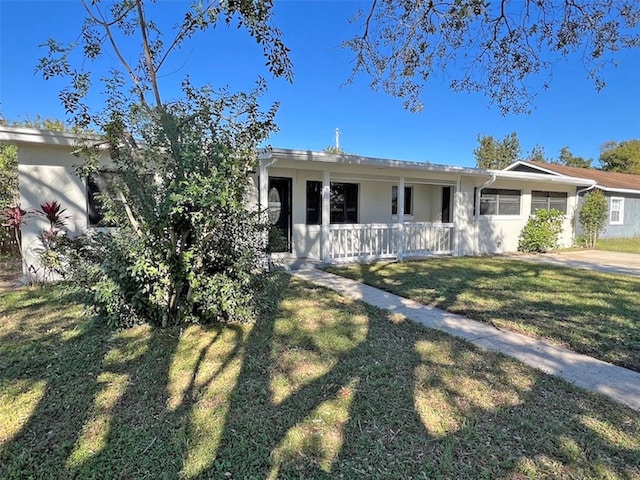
point(321, 157)
point(23, 135)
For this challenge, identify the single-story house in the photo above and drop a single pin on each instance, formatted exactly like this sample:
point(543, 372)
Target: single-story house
point(622, 191)
point(335, 208)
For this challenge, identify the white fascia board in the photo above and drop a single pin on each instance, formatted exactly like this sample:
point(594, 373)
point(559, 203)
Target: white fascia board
point(542, 177)
point(321, 157)
point(35, 136)
point(529, 165)
point(618, 190)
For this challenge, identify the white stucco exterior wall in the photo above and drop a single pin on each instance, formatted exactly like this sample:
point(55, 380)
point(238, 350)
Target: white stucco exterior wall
point(47, 173)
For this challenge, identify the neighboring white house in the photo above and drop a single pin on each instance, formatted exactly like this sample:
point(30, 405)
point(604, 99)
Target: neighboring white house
point(336, 208)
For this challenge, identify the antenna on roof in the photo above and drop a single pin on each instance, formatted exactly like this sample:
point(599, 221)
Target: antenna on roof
point(337, 139)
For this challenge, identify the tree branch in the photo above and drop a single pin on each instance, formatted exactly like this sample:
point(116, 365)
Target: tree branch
point(107, 27)
point(147, 53)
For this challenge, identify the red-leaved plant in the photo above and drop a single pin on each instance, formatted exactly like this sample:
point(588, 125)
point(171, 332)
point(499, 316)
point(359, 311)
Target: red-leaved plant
point(14, 218)
point(53, 211)
point(48, 255)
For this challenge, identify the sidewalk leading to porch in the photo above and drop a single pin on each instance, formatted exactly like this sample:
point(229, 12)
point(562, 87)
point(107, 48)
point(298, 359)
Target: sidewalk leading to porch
point(619, 383)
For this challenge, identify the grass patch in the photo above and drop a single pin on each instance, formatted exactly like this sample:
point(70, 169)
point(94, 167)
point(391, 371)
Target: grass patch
point(325, 388)
point(624, 245)
point(593, 313)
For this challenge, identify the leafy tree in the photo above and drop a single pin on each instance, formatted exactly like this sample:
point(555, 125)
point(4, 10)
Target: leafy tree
point(497, 154)
point(623, 157)
point(492, 47)
point(187, 248)
point(570, 160)
point(537, 154)
point(8, 175)
point(592, 216)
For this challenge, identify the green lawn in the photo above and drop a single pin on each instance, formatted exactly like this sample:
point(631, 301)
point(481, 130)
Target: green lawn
point(326, 388)
point(592, 313)
point(625, 245)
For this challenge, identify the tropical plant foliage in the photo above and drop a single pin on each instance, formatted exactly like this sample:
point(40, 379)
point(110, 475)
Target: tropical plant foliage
point(186, 247)
point(500, 48)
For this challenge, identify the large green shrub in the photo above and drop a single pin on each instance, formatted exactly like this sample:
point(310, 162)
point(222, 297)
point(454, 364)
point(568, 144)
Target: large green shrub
point(541, 232)
point(187, 248)
point(592, 217)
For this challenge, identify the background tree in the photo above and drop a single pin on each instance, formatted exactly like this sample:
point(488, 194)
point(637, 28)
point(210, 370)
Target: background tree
point(623, 157)
point(593, 216)
point(498, 48)
point(570, 160)
point(187, 248)
point(332, 149)
point(497, 154)
point(537, 154)
point(8, 175)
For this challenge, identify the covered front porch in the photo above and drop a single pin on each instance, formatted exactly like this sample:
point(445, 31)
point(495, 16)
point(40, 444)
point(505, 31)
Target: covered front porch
point(332, 212)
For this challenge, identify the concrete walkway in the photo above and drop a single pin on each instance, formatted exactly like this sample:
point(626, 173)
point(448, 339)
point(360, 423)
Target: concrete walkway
point(601, 261)
point(618, 383)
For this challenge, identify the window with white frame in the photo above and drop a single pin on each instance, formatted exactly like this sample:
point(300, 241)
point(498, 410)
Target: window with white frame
point(344, 202)
point(408, 200)
point(548, 200)
point(499, 201)
point(616, 211)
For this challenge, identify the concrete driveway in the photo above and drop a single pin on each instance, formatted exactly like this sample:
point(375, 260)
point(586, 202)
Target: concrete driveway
point(609, 262)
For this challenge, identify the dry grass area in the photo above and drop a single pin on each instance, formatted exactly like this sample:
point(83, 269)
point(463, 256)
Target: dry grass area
point(326, 388)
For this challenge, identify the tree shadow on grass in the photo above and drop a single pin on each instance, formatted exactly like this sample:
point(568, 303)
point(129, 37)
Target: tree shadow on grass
point(325, 388)
point(516, 295)
point(406, 402)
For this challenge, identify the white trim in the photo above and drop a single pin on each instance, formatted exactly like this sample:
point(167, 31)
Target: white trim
point(535, 167)
point(619, 190)
point(620, 211)
point(543, 178)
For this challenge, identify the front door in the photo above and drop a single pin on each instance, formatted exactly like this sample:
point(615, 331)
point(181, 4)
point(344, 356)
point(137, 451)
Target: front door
point(279, 210)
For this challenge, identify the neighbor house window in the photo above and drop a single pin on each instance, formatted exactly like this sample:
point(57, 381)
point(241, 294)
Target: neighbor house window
point(99, 184)
point(408, 200)
point(548, 200)
point(499, 201)
point(344, 203)
point(314, 202)
point(616, 211)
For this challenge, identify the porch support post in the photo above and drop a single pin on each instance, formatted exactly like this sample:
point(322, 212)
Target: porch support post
point(326, 218)
point(457, 207)
point(401, 219)
point(263, 181)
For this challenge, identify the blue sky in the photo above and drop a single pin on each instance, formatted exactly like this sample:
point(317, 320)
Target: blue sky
point(571, 113)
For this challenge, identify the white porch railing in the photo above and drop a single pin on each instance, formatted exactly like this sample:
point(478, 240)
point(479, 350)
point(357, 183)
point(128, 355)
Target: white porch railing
point(348, 242)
